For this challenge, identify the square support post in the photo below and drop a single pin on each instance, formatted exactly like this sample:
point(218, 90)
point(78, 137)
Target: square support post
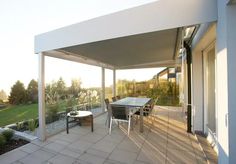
point(103, 90)
point(41, 97)
point(114, 83)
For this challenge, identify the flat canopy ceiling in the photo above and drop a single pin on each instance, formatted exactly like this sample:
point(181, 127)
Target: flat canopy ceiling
point(144, 36)
point(131, 51)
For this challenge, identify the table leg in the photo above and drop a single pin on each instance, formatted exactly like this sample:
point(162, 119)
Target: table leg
point(91, 122)
point(141, 120)
point(109, 119)
point(67, 127)
point(132, 122)
point(79, 121)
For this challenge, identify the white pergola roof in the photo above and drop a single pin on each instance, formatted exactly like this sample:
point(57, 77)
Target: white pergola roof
point(144, 36)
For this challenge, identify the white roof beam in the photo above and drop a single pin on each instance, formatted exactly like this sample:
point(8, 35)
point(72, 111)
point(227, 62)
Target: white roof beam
point(76, 58)
point(157, 16)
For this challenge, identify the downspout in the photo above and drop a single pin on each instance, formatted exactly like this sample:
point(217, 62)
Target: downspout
point(189, 105)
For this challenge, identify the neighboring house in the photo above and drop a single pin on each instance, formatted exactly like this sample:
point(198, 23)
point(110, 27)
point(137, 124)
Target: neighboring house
point(169, 74)
point(200, 32)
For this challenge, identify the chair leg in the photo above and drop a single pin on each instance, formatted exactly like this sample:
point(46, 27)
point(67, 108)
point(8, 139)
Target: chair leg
point(110, 126)
point(107, 119)
point(129, 125)
point(136, 119)
point(132, 123)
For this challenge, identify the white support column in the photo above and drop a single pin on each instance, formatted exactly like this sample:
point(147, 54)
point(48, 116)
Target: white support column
point(41, 97)
point(231, 59)
point(114, 83)
point(103, 90)
point(225, 86)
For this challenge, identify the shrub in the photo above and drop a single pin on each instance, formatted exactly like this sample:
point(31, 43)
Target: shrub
point(2, 140)
point(71, 102)
point(8, 134)
point(19, 126)
point(36, 122)
point(32, 124)
point(52, 112)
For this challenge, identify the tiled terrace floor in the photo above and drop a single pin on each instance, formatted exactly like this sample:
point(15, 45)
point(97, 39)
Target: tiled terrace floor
point(164, 141)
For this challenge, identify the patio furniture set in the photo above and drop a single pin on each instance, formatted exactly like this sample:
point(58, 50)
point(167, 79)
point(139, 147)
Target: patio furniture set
point(119, 110)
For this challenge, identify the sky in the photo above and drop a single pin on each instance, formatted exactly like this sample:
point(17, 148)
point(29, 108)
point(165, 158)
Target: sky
point(22, 20)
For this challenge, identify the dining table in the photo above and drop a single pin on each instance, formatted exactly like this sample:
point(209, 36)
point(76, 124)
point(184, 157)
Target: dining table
point(134, 102)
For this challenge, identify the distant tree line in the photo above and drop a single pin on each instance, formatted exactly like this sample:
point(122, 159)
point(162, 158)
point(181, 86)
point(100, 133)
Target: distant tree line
point(166, 92)
point(21, 95)
point(55, 92)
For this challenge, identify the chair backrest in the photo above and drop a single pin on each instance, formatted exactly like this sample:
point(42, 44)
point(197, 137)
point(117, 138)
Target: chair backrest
point(108, 106)
point(148, 108)
point(113, 99)
point(119, 112)
point(117, 97)
point(107, 102)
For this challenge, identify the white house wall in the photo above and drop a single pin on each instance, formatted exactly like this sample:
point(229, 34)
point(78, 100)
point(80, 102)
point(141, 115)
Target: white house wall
point(205, 37)
point(225, 38)
point(231, 60)
point(226, 88)
point(222, 84)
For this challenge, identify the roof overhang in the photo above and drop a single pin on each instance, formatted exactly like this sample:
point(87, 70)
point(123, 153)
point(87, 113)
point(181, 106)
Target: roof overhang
point(144, 36)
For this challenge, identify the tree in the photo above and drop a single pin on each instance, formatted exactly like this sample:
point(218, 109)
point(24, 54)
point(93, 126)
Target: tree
point(75, 87)
point(32, 91)
point(61, 88)
point(3, 95)
point(18, 93)
point(51, 93)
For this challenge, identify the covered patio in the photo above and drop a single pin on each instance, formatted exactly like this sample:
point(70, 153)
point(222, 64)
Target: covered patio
point(141, 37)
point(157, 34)
point(164, 140)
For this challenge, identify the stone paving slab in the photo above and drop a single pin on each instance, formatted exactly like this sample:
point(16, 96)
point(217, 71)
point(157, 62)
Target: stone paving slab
point(209, 153)
point(12, 156)
point(164, 140)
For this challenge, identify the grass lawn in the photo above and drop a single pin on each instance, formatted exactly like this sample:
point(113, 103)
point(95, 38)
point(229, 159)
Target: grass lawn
point(16, 113)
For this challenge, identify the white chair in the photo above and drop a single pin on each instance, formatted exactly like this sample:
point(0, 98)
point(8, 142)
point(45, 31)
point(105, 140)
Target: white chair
point(108, 107)
point(120, 114)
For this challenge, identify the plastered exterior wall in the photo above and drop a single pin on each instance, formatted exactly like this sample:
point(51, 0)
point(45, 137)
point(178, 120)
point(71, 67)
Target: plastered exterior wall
point(222, 83)
point(231, 66)
point(204, 38)
point(197, 83)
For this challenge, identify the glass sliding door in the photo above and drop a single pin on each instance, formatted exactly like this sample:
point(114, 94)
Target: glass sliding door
point(210, 89)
